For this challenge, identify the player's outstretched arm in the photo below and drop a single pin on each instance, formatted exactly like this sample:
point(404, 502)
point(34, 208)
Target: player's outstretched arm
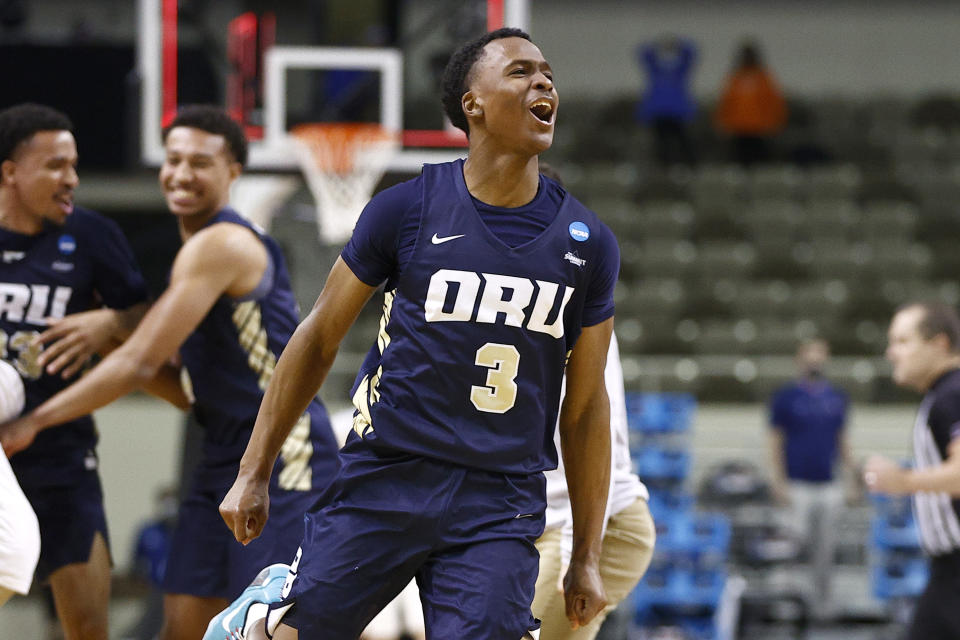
point(208, 265)
point(585, 441)
point(300, 371)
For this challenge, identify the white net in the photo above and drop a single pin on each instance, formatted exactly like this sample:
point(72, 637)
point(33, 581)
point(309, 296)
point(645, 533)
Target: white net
point(342, 162)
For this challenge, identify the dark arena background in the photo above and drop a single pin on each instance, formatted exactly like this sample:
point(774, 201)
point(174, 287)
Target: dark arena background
point(738, 242)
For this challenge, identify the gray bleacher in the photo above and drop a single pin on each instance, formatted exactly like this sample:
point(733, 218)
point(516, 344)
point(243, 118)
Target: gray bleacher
point(724, 265)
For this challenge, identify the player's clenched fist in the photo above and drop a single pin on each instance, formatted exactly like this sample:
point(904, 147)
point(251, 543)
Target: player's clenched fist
point(583, 592)
point(245, 509)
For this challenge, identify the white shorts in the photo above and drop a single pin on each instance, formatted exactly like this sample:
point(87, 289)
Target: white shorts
point(19, 533)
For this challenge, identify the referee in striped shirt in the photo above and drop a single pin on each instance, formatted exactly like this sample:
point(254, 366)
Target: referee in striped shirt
point(924, 349)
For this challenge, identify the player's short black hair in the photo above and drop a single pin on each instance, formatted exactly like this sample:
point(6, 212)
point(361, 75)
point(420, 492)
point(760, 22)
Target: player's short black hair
point(215, 120)
point(19, 122)
point(938, 318)
point(456, 76)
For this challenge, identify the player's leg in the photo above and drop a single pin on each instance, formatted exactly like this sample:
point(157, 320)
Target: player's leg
point(5, 594)
point(81, 593)
point(627, 550)
point(185, 617)
point(549, 591)
point(195, 583)
point(480, 591)
point(363, 546)
point(74, 554)
point(479, 582)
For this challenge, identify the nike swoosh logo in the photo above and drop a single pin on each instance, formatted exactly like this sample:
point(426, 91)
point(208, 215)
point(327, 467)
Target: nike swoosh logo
point(438, 240)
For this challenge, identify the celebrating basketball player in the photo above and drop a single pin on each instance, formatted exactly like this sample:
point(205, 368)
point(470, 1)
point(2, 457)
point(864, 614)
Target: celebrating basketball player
point(58, 259)
point(497, 281)
point(229, 310)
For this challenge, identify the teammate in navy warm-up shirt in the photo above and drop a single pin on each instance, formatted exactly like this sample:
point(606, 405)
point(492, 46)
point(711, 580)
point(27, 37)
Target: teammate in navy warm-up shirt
point(485, 307)
point(57, 260)
point(229, 311)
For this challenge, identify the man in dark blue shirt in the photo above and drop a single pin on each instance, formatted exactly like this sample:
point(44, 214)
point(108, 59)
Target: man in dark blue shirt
point(807, 419)
point(497, 282)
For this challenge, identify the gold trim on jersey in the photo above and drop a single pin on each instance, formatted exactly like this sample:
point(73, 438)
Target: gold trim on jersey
point(186, 384)
point(248, 319)
point(296, 474)
point(368, 393)
point(383, 338)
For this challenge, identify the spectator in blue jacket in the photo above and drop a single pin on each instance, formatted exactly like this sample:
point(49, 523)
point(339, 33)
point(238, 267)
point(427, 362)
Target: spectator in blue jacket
point(666, 104)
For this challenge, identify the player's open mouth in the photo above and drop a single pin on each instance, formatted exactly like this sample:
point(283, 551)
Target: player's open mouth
point(542, 110)
point(65, 202)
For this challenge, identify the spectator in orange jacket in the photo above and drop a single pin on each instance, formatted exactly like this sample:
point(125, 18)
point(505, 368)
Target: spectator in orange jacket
point(752, 109)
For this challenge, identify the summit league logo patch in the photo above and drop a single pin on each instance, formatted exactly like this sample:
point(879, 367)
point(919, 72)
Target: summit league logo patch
point(574, 258)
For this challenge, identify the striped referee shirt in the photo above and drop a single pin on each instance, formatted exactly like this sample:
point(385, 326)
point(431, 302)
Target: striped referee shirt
point(937, 423)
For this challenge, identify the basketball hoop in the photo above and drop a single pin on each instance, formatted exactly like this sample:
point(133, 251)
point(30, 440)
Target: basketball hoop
point(343, 162)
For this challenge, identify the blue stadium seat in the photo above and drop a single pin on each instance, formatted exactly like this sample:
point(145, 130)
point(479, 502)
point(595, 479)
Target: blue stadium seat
point(660, 412)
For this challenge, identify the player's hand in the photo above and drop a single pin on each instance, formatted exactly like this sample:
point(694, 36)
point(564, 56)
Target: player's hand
point(583, 592)
point(17, 435)
point(245, 509)
point(70, 342)
point(883, 475)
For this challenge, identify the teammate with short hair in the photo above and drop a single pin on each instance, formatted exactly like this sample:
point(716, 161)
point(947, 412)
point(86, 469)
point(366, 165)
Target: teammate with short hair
point(497, 281)
point(55, 260)
point(924, 349)
point(229, 310)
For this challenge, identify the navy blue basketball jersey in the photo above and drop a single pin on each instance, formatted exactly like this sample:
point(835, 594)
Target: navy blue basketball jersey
point(229, 359)
point(82, 265)
point(475, 334)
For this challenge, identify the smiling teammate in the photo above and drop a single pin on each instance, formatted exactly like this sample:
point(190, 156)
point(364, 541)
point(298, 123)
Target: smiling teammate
point(229, 311)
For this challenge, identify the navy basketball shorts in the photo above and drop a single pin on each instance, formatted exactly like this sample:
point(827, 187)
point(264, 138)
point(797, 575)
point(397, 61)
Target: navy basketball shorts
point(69, 517)
point(466, 535)
point(206, 560)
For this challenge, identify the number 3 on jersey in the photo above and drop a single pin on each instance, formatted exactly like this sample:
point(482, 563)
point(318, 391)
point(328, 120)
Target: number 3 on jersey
point(500, 392)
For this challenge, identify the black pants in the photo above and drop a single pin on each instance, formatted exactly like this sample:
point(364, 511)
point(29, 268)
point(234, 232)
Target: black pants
point(751, 150)
point(672, 143)
point(937, 615)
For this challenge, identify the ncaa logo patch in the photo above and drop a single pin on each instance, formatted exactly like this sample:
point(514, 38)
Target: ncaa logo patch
point(67, 244)
point(579, 231)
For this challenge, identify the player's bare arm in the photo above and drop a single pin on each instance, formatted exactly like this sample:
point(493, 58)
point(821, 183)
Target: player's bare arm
point(887, 476)
point(71, 341)
point(300, 372)
point(222, 259)
point(585, 441)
